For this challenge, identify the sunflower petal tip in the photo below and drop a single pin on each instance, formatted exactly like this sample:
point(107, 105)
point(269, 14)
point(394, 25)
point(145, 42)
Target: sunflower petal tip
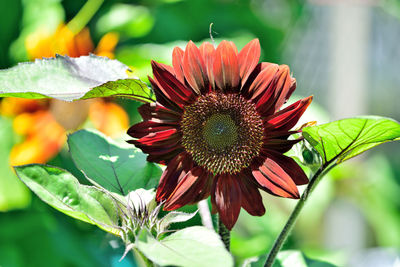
point(190, 44)
point(255, 42)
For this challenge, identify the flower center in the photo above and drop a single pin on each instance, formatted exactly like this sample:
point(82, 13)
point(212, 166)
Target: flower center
point(222, 132)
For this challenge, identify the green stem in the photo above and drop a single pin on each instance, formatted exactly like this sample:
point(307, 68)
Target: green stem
point(224, 233)
point(84, 15)
point(295, 213)
point(205, 214)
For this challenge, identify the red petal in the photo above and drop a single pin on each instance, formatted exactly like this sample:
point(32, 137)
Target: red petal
point(173, 174)
point(251, 197)
point(144, 128)
point(282, 87)
point(279, 134)
point(162, 98)
point(206, 191)
point(227, 199)
point(164, 158)
point(173, 89)
point(177, 63)
point(163, 150)
point(225, 67)
point(153, 111)
point(287, 117)
point(272, 177)
point(207, 50)
point(280, 145)
point(261, 86)
point(288, 165)
point(195, 69)
point(188, 188)
point(155, 137)
point(248, 59)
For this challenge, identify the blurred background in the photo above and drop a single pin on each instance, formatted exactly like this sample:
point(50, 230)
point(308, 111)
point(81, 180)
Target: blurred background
point(344, 52)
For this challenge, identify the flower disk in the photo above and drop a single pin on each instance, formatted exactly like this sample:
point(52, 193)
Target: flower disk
point(222, 132)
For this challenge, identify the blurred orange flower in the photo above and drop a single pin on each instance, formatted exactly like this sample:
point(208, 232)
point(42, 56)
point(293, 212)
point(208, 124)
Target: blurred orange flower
point(44, 123)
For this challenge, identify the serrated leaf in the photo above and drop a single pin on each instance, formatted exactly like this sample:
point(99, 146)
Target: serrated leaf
point(117, 166)
point(192, 246)
point(69, 79)
point(61, 190)
point(343, 139)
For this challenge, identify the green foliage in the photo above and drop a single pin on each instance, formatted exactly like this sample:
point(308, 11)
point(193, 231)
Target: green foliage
point(116, 166)
point(61, 190)
point(288, 258)
point(9, 27)
point(128, 20)
point(192, 246)
point(294, 258)
point(173, 217)
point(13, 193)
point(343, 139)
point(37, 15)
point(70, 79)
point(40, 236)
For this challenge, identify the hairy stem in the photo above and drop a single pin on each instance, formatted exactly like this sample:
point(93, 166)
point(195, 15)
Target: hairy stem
point(205, 214)
point(295, 213)
point(224, 233)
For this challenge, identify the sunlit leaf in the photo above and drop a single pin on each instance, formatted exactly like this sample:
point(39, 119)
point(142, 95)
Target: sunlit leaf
point(61, 190)
point(288, 258)
point(174, 217)
point(69, 79)
point(343, 139)
point(192, 246)
point(116, 166)
point(294, 258)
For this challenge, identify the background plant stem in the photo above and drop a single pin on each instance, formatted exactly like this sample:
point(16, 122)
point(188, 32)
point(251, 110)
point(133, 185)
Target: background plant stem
point(224, 233)
point(295, 213)
point(84, 15)
point(205, 214)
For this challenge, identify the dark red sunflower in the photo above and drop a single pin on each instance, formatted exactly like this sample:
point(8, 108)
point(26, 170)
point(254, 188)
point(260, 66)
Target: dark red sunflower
point(218, 126)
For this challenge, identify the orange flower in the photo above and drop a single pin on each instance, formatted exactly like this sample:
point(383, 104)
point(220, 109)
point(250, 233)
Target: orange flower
point(44, 123)
point(64, 42)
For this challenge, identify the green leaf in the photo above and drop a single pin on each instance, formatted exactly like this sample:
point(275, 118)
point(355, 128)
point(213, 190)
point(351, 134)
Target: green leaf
point(192, 246)
point(69, 79)
point(287, 258)
point(294, 258)
point(343, 139)
point(116, 166)
point(61, 190)
point(174, 217)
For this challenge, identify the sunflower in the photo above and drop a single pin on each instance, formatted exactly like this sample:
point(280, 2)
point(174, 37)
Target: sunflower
point(218, 125)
